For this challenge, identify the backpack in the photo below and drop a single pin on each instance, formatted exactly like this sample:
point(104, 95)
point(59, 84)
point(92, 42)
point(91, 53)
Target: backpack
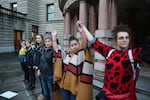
point(134, 69)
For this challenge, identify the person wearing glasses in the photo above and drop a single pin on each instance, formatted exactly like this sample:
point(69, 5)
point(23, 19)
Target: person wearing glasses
point(119, 78)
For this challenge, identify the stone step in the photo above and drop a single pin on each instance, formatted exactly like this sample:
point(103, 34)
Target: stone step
point(143, 84)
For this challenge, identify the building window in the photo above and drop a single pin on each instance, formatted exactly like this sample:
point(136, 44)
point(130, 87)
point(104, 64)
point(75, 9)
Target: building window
point(14, 6)
point(34, 31)
point(50, 12)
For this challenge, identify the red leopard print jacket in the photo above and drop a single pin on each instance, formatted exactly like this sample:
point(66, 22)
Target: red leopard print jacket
point(118, 78)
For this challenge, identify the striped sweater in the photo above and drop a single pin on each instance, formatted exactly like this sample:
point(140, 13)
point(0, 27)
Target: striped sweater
point(74, 73)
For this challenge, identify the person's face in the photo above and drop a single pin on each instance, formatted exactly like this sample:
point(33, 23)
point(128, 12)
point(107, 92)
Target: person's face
point(38, 39)
point(48, 43)
point(74, 45)
point(28, 44)
point(32, 43)
point(23, 43)
point(122, 40)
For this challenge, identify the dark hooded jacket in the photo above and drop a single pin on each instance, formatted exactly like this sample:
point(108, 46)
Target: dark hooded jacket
point(46, 61)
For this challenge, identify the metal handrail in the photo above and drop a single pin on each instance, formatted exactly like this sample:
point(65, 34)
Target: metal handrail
point(12, 13)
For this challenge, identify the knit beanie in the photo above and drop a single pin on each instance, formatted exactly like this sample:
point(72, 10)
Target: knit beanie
point(47, 36)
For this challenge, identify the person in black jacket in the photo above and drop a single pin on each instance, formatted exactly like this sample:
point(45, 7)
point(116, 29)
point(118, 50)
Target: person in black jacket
point(45, 67)
point(29, 61)
point(36, 57)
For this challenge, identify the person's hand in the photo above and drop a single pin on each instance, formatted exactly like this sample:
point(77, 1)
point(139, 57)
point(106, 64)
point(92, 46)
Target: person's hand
point(79, 25)
point(35, 67)
point(54, 33)
point(38, 73)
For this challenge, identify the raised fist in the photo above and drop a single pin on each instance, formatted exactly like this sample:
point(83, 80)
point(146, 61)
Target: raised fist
point(54, 33)
point(79, 25)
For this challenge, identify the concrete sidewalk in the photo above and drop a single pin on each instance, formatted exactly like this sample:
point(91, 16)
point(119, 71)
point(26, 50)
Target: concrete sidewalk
point(11, 80)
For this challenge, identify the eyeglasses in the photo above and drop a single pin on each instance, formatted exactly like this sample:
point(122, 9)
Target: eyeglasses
point(122, 38)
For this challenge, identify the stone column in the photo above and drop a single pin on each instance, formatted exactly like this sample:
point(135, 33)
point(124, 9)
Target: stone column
point(102, 34)
point(67, 31)
point(72, 25)
point(67, 22)
point(92, 19)
point(113, 14)
point(82, 14)
point(103, 14)
point(74, 21)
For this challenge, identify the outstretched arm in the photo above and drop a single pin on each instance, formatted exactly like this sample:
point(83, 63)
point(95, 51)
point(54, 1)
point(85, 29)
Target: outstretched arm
point(97, 45)
point(84, 40)
point(55, 46)
point(82, 29)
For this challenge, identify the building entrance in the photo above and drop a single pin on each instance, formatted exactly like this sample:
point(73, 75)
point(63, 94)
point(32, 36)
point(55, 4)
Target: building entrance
point(17, 39)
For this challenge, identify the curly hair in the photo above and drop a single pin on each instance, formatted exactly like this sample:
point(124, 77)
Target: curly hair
point(120, 28)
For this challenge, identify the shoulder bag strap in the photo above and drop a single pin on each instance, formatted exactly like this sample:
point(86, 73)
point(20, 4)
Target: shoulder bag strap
point(132, 63)
point(110, 52)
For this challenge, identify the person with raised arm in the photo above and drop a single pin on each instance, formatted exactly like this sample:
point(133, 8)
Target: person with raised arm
point(76, 70)
point(120, 73)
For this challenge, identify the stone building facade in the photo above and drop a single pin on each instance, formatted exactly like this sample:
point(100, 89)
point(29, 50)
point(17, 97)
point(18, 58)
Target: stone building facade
point(23, 19)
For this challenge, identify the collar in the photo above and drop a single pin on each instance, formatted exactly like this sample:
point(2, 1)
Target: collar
point(124, 49)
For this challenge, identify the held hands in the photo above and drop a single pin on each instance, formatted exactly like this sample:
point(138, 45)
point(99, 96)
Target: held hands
point(54, 40)
point(82, 29)
point(79, 25)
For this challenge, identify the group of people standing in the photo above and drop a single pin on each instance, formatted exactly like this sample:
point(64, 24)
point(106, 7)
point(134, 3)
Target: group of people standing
point(26, 61)
point(72, 71)
point(38, 57)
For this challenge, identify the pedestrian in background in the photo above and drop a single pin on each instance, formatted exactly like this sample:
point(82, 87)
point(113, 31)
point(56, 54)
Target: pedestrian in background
point(22, 60)
point(36, 57)
point(37, 48)
point(29, 61)
point(33, 45)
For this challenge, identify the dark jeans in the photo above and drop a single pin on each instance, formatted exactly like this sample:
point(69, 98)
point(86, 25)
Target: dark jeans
point(31, 76)
point(47, 86)
point(41, 84)
point(67, 95)
point(25, 70)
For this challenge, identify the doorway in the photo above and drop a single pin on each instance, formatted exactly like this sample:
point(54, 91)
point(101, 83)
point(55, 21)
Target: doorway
point(17, 39)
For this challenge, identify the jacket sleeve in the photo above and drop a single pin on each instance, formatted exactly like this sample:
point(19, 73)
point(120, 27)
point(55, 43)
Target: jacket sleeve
point(103, 49)
point(36, 57)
